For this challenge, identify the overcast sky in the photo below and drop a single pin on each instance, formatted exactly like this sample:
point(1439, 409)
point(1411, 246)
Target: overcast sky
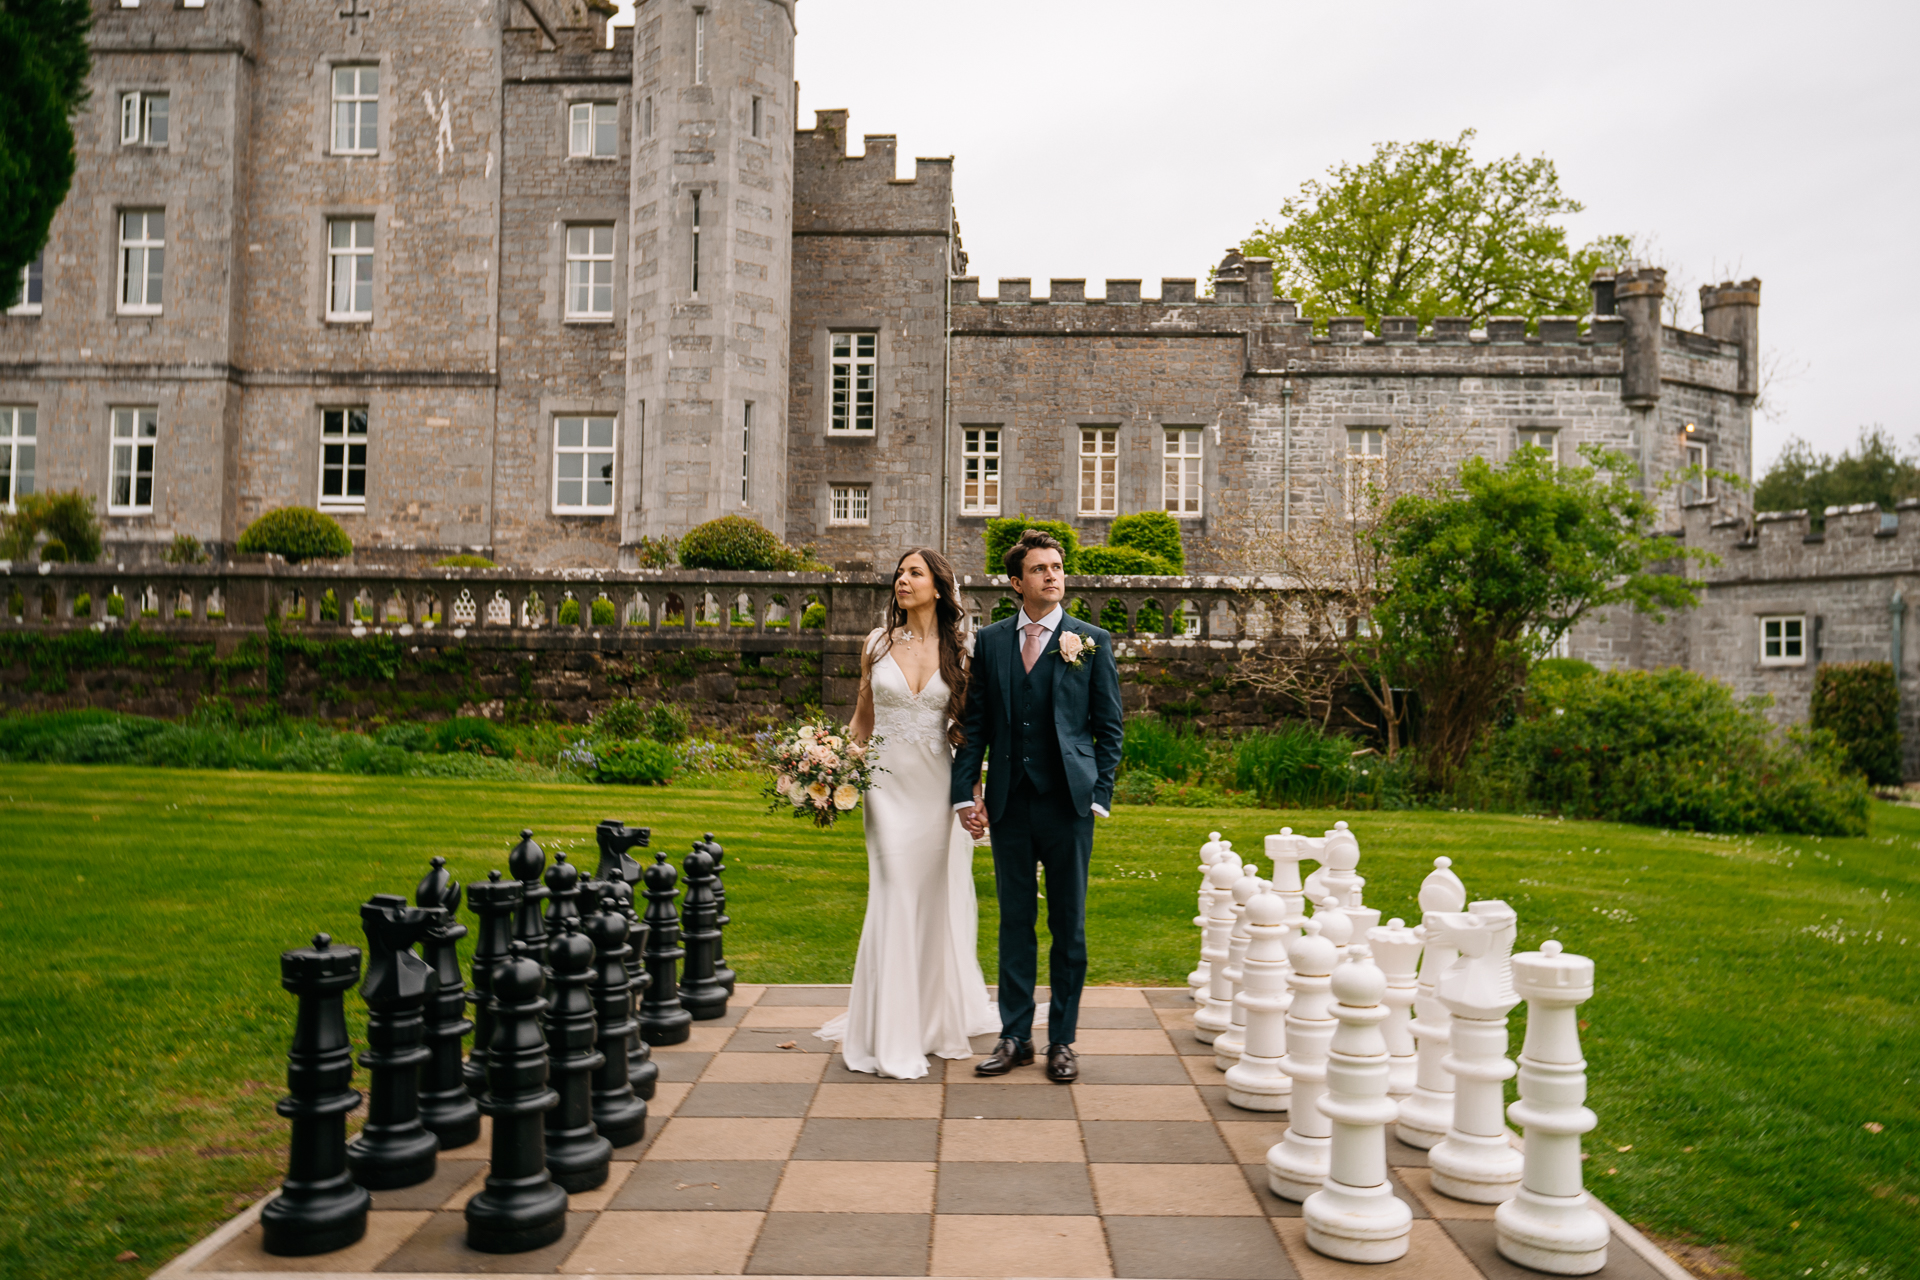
point(1130, 139)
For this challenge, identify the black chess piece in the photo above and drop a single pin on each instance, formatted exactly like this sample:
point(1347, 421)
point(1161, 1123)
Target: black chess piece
point(643, 1073)
point(577, 1154)
point(525, 862)
point(721, 973)
point(563, 895)
point(616, 838)
point(521, 1207)
point(619, 1115)
point(662, 1020)
point(700, 992)
point(446, 1107)
point(394, 1148)
point(495, 902)
point(319, 1208)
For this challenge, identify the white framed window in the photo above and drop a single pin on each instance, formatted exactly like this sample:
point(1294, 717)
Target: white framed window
point(143, 119)
point(1099, 471)
point(855, 364)
point(135, 433)
point(18, 445)
point(350, 268)
point(696, 244)
point(343, 459)
point(593, 130)
point(852, 504)
point(583, 465)
point(699, 46)
point(1783, 641)
point(1546, 441)
point(1182, 476)
point(32, 288)
point(980, 471)
point(1366, 468)
point(1699, 454)
point(590, 273)
point(356, 111)
point(746, 452)
point(143, 260)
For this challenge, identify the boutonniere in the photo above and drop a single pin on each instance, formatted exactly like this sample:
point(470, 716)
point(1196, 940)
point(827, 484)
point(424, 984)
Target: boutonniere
point(1073, 648)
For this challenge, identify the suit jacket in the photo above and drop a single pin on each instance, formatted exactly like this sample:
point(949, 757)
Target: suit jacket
point(1086, 714)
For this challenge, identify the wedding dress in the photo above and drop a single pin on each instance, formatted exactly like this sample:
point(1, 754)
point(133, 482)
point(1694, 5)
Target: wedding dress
point(917, 984)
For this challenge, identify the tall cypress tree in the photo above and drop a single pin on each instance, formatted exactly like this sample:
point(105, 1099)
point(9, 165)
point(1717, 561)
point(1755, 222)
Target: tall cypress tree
point(44, 60)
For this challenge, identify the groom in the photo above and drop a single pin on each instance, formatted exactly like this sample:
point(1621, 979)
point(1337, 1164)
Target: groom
point(1045, 695)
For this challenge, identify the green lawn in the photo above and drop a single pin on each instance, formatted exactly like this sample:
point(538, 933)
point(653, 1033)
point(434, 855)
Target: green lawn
point(1757, 1002)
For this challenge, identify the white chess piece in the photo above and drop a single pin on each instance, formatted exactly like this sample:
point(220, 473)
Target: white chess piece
point(1256, 1082)
point(1475, 1162)
point(1338, 877)
point(1297, 1164)
point(1197, 980)
point(1216, 1013)
point(1229, 1044)
point(1426, 1113)
point(1549, 1225)
point(1355, 1216)
point(1396, 949)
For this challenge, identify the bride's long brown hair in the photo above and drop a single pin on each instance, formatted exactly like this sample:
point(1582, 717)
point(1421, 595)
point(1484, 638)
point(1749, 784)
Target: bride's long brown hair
point(949, 622)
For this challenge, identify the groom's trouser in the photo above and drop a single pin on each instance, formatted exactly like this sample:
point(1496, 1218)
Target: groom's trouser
point(1037, 831)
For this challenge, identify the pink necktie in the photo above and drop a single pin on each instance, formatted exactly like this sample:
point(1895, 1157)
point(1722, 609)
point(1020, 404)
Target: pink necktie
point(1036, 641)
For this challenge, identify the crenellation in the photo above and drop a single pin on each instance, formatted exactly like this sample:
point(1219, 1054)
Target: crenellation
point(1066, 292)
point(1506, 329)
point(1121, 292)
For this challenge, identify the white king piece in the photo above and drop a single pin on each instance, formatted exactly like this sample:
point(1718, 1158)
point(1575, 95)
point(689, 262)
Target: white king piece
point(1474, 1162)
point(1549, 1224)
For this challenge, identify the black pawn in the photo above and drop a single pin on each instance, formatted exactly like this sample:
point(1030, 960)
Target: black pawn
point(662, 1020)
point(700, 992)
point(525, 862)
point(643, 1073)
point(520, 1208)
point(618, 1114)
point(615, 839)
point(394, 1148)
point(495, 903)
point(721, 973)
point(577, 1154)
point(563, 895)
point(445, 1105)
point(319, 1208)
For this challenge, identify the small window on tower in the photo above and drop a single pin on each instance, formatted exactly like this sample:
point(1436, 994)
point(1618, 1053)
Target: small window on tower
point(593, 130)
point(756, 117)
point(855, 361)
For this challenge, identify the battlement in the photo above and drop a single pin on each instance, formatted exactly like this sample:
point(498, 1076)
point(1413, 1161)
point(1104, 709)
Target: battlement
point(838, 192)
point(166, 26)
point(1783, 545)
point(570, 28)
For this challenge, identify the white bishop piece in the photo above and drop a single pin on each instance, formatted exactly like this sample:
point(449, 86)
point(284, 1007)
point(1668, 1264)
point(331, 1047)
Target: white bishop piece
point(1229, 1044)
point(1549, 1225)
point(1216, 1010)
point(1475, 1162)
point(1197, 980)
point(1355, 1216)
point(1339, 855)
point(1396, 949)
point(1297, 1164)
point(1427, 1112)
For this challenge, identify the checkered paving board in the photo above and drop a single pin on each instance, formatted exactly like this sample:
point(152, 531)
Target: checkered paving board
point(764, 1155)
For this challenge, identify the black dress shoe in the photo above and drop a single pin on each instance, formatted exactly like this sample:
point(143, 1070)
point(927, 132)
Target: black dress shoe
point(1063, 1065)
point(1007, 1054)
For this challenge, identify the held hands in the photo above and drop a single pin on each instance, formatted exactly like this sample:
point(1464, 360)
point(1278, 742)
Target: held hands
point(975, 819)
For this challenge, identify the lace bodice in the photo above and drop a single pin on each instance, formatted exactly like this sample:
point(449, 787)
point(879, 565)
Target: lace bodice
point(906, 718)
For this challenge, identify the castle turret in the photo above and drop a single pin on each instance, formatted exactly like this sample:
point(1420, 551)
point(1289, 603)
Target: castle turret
point(1637, 294)
point(712, 224)
point(1731, 312)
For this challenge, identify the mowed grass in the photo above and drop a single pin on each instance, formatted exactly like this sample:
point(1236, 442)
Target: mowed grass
point(1756, 1007)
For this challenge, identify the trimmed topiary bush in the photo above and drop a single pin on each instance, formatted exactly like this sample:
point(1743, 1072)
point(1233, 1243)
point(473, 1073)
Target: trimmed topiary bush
point(1121, 560)
point(1859, 703)
point(296, 533)
point(814, 618)
point(735, 542)
point(464, 562)
point(1154, 532)
point(569, 613)
point(1004, 531)
point(602, 612)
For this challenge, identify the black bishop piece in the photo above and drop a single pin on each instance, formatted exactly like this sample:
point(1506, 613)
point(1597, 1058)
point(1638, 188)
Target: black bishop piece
point(662, 1020)
point(495, 902)
point(700, 992)
point(394, 1148)
point(446, 1107)
point(520, 1208)
point(619, 1115)
point(525, 862)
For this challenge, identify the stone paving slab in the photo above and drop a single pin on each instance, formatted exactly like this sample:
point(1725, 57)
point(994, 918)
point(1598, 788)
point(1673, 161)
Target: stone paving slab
point(764, 1155)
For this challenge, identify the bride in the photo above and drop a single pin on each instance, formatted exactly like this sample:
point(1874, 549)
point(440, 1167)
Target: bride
point(917, 985)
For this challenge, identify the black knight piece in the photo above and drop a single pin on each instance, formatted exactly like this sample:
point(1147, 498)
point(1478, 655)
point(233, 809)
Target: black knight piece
point(662, 1020)
point(700, 992)
point(319, 1208)
point(446, 1107)
point(721, 973)
point(525, 862)
point(618, 1114)
point(520, 1208)
point(495, 902)
point(616, 838)
point(577, 1154)
point(394, 1149)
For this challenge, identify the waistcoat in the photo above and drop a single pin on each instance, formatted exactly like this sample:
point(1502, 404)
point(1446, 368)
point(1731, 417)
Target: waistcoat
point(1036, 742)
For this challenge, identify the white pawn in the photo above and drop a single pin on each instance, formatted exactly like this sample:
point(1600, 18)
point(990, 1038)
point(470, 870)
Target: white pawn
point(1426, 1113)
point(1197, 980)
point(1216, 1011)
point(1297, 1164)
point(1355, 1216)
point(1229, 1044)
point(1549, 1225)
point(1475, 1162)
point(1397, 949)
point(1256, 1082)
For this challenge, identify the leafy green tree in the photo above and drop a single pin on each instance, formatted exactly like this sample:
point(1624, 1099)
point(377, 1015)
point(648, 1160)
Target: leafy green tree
point(1874, 470)
point(1423, 230)
point(44, 62)
point(1486, 578)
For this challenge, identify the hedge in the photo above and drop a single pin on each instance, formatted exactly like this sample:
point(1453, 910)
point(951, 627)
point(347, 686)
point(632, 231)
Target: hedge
point(1859, 703)
point(1004, 531)
point(736, 542)
point(1154, 532)
point(1121, 560)
point(296, 533)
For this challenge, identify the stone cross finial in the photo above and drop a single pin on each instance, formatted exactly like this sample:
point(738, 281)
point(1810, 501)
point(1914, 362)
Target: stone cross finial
point(354, 14)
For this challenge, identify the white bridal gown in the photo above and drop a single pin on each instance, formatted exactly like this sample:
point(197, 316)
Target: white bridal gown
point(917, 985)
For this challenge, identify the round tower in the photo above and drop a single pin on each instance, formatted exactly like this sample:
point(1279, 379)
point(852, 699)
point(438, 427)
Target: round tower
point(711, 212)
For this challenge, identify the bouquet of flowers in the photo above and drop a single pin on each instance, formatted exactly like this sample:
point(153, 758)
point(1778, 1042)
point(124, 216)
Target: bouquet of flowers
point(818, 772)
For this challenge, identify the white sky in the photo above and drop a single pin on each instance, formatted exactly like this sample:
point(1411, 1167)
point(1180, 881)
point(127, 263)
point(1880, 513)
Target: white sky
point(1125, 139)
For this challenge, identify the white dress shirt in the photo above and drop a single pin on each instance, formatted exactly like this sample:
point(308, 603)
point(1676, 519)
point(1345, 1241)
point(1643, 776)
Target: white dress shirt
point(1051, 622)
